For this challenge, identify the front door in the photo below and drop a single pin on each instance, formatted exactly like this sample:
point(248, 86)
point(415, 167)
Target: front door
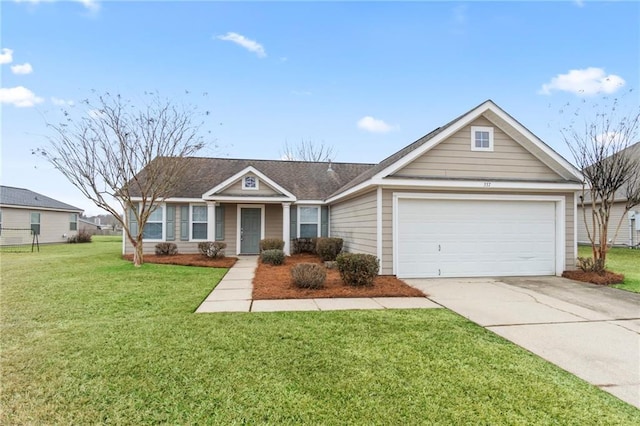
point(250, 230)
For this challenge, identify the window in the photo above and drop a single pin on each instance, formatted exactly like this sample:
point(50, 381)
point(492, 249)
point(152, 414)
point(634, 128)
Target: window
point(35, 223)
point(73, 222)
point(481, 138)
point(153, 227)
point(250, 182)
point(308, 218)
point(199, 222)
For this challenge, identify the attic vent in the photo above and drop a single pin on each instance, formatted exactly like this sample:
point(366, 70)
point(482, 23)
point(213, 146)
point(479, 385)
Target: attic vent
point(329, 169)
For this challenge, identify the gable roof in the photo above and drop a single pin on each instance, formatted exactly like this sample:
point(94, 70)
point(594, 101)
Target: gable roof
point(492, 112)
point(305, 180)
point(20, 197)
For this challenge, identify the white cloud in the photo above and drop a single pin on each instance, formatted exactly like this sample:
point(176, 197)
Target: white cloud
point(19, 96)
point(25, 68)
point(588, 81)
point(61, 102)
point(90, 5)
point(250, 45)
point(6, 56)
point(373, 125)
point(610, 138)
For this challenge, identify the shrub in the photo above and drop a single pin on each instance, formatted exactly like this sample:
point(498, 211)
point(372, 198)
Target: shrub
point(357, 269)
point(272, 257)
point(328, 248)
point(308, 275)
point(304, 245)
point(81, 237)
point(271, 244)
point(212, 249)
point(588, 264)
point(166, 249)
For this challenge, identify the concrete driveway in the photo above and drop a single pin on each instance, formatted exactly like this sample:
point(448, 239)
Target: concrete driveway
point(588, 330)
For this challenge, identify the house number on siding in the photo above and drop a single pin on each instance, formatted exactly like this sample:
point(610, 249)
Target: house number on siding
point(487, 184)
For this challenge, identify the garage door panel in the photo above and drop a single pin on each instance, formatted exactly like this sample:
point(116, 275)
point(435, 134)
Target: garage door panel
point(460, 238)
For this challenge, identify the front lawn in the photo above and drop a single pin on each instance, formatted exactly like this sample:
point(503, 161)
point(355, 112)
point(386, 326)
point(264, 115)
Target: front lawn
point(89, 339)
point(622, 260)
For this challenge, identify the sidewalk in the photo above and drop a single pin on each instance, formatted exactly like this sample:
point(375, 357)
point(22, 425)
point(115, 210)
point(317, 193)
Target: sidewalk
point(233, 294)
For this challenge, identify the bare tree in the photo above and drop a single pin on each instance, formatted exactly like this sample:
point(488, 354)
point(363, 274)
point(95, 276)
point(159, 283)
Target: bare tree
point(307, 151)
point(124, 158)
point(603, 149)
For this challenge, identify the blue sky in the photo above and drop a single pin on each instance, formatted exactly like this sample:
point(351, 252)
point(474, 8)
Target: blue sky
point(367, 78)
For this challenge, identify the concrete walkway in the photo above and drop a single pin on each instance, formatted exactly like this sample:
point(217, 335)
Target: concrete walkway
point(588, 330)
point(233, 294)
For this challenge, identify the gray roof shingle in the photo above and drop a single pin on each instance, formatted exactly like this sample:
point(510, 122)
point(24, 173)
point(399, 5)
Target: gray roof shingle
point(11, 196)
point(306, 180)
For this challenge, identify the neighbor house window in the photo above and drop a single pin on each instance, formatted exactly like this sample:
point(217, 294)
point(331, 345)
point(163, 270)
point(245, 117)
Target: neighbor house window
point(73, 222)
point(481, 138)
point(250, 182)
point(35, 223)
point(309, 220)
point(199, 222)
point(153, 227)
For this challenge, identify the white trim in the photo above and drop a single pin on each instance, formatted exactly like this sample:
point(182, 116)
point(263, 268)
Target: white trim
point(487, 184)
point(476, 129)
point(286, 227)
point(314, 202)
point(560, 217)
point(256, 181)
point(575, 226)
point(179, 200)
point(248, 199)
point(12, 206)
point(239, 222)
point(211, 219)
point(319, 218)
point(379, 223)
point(247, 170)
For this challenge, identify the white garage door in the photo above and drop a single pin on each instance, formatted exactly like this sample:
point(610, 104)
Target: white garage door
point(475, 238)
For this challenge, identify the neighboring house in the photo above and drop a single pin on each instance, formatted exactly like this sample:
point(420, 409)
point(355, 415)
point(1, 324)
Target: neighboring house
point(89, 226)
point(480, 196)
point(629, 233)
point(53, 220)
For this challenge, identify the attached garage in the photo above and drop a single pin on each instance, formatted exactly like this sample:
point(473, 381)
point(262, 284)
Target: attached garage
point(477, 235)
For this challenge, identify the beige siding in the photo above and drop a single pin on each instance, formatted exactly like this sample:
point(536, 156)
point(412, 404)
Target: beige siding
point(273, 229)
point(626, 231)
point(354, 221)
point(273, 221)
point(386, 262)
point(236, 189)
point(54, 226)
point(453, 158)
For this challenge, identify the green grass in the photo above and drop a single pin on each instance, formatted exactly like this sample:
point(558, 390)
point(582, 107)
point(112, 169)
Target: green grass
point(622, 261)
point(87, 338)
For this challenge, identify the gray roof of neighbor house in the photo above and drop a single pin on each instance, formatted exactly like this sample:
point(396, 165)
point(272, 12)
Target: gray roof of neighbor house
point(306, 180)
point(11, 196)
point(634, 152)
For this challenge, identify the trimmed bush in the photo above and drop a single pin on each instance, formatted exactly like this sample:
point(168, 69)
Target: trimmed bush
point(81, 237)
point(309, 275)
point(212, 249)
point(357, 269)
point(328, 248)
point(272, 257)
point(166, 249)
point(304, 245)
point(271, 244)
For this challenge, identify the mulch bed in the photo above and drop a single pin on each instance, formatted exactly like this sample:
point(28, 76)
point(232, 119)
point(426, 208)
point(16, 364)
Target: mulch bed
point(274, 282)
point(606, 278)
point(187, 260)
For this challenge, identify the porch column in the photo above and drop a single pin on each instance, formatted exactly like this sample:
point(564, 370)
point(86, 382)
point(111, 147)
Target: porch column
point(211, 220)
point(286, 227)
